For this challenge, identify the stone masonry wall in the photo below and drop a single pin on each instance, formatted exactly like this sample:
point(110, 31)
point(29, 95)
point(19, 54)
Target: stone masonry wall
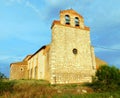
point(18, 71)
point(67, 67)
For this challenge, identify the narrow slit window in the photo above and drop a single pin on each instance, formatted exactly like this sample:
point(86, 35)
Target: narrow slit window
point(67, 19)
point(76, 21)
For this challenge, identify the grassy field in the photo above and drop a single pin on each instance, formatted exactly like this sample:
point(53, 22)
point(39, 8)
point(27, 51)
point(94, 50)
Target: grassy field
point(43, 89)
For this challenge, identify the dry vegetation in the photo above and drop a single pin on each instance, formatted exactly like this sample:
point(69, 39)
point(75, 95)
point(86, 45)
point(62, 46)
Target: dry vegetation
point(39, 89)
point(105, 84)
point(43, 89)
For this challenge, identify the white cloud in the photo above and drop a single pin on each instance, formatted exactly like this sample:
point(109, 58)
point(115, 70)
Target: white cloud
point(6, 58)
point(35, 9)
point(11, 2)
point(53, 2)
point(112, 48)
point(116, 47)
point(26, 3)
point(99, 49)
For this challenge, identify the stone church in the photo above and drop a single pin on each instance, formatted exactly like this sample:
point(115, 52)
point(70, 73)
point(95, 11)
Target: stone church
point(69, 58)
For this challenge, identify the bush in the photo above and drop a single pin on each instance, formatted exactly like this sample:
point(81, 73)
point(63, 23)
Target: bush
point(107, 78)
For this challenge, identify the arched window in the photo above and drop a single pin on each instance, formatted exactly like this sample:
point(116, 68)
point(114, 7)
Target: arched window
point(67, 19)
point(76, 21)
point(74, 51)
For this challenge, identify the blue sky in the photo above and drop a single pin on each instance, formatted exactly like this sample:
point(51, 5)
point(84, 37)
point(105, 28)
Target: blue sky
point(25, 27)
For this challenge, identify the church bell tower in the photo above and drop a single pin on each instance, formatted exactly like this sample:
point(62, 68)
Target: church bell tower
point(71, 56)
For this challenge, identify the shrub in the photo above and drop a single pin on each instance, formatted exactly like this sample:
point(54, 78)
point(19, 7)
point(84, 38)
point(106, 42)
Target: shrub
point(2, 76)
point(107, 78)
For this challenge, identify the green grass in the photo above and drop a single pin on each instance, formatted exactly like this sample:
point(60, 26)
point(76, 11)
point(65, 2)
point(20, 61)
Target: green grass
point(43, 89)
point(92, 95)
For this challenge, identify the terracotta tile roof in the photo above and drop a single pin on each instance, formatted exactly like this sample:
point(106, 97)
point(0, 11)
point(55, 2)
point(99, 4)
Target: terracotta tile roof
point(46, 49)
point(19, 63)
point(99, 62)
point(27, 58)
point(71, 11)
point(55, 22)
point(58, 23)
point(87, 28)
point(43, 47)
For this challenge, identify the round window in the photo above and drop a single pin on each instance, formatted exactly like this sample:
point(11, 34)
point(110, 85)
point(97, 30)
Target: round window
point(75, 51)
point(22, 69)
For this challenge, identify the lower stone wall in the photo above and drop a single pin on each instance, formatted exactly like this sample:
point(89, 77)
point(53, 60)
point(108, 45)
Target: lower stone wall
point(18, 71)
point(63, 78)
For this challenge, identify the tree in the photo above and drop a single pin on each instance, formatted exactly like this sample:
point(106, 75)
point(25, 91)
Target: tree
point(2, 76)
point(107, 78)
